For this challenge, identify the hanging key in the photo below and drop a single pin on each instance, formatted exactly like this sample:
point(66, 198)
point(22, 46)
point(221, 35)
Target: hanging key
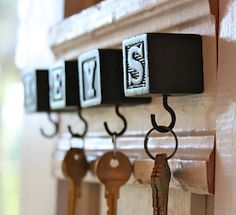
point(113, 170)
point(161, 175)
point(74, 168)
point(160, 180)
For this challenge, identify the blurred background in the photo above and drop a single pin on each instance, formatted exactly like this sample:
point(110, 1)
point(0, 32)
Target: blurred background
point(11, 110)
point(23, 44)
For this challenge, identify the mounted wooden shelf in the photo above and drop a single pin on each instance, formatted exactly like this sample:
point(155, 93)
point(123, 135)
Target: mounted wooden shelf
point(192, 167)
point(104, 25)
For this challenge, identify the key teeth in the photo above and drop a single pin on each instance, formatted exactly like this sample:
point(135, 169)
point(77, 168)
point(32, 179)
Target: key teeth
point(160, 179)
point(110, 205)
point(111, 196)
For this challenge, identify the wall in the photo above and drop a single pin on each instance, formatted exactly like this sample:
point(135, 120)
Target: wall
point(38, 189)
point(225, 195)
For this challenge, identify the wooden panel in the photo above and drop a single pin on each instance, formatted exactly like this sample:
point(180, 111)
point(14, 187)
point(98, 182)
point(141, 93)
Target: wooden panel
point(74, 6)
point(107, 25)
point(210, 205)
point(196, 114)
point(180, 202)
point(193, 176)
point(90, 196)
point(192, 168)
point(62, 191)
point(197, 19)
point(225, 195)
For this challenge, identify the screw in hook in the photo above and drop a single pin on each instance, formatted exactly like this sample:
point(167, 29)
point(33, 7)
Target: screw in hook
point(117, 134)
point(56, 126)
point(77, 135)
point(162, 129)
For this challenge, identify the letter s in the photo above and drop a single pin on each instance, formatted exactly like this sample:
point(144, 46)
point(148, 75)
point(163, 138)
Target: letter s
point(136, 65)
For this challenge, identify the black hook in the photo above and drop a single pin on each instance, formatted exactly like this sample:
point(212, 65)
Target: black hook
point(172, 113)
point(56, 125)
point(124, 128)
point(77, 135)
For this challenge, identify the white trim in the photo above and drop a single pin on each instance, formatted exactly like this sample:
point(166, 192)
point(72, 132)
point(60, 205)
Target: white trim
point(104, 25)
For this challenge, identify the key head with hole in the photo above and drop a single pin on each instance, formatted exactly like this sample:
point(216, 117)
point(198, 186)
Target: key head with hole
point(75, 165)
point(114, 172)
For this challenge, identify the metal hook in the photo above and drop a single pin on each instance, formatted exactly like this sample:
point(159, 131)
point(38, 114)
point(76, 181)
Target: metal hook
point(77, 135)
point(112, 134)
point(56, 125)
point(172, 113)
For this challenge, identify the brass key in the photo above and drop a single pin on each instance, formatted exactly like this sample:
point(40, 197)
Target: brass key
point(74, 168)
point(113, 172)
point(161, 174)
point(160, 180)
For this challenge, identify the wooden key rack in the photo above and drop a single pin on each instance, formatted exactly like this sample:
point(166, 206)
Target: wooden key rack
point(192, 167)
